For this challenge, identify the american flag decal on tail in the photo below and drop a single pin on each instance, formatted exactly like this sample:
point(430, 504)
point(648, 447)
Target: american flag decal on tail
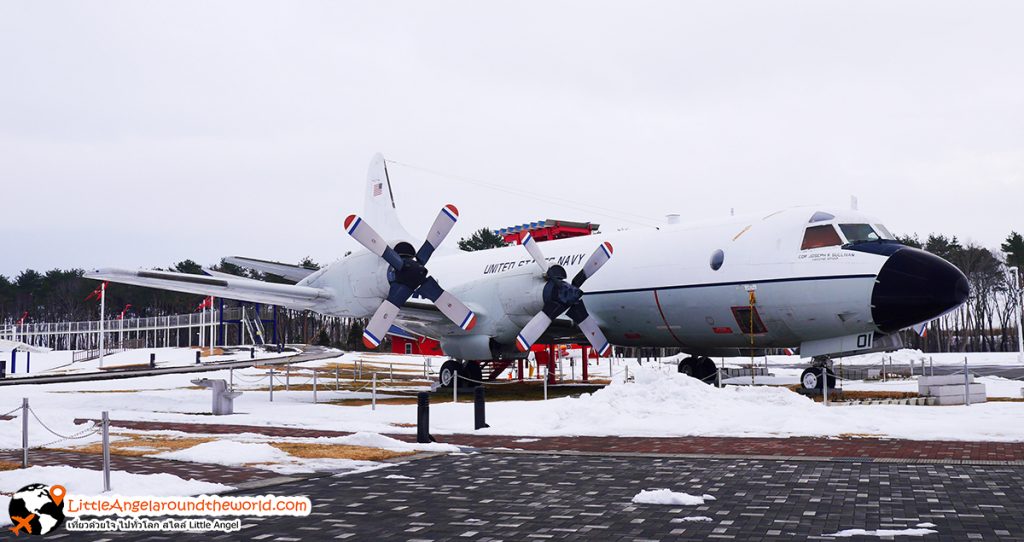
point(378, 189)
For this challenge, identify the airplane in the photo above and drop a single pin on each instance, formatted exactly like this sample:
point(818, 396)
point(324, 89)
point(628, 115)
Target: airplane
point(22, 523)
point(830, 282)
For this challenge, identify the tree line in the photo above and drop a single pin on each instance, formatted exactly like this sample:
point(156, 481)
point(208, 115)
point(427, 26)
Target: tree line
point(987, 322)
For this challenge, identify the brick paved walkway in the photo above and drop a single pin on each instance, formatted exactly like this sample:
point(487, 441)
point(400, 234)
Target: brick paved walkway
point(232, 476)
point(851, 448)
point(493, 497)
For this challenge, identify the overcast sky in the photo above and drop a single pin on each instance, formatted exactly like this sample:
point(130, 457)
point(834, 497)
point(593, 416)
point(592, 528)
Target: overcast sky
point(137, 134)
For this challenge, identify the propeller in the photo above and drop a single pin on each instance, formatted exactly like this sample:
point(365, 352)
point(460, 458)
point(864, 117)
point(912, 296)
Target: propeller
point(408, 275)
point(561, 297)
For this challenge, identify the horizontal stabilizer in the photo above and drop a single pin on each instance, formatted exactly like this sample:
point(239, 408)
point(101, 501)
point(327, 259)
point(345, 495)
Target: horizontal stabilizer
point(294, 273)
point(242, 289)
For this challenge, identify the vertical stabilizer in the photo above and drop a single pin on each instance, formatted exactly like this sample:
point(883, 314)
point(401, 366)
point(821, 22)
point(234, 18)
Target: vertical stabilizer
point(379, 205)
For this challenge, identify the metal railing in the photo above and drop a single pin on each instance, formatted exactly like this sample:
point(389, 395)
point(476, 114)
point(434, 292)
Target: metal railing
point(112, 325)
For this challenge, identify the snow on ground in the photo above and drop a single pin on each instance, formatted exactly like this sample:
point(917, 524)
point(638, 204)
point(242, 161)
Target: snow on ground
point(659, 403)
point(79, 481)
point(696, 518)
point(60, 361)
point(262, 455)
point(255, 451)
point(882, 533)
point(667, 496)
point(374, 440)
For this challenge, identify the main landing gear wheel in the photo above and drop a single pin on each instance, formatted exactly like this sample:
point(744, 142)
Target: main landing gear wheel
point(472, 371)
point(448, 371)
point(811, 379)
point(701, 368)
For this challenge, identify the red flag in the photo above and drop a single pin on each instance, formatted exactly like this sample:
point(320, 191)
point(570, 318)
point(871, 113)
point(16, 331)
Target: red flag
point(207, 303)
point(126, 307)
point(23, 317)
point(97, 294)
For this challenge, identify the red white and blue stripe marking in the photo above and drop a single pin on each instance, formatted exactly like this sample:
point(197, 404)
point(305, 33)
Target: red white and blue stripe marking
point(470, 321)
point(351, 223)
point(369, 340)
point(451, 212)
point(521, 343)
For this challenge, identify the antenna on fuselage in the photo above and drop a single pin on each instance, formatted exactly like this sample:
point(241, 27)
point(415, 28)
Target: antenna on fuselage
point(853, 203)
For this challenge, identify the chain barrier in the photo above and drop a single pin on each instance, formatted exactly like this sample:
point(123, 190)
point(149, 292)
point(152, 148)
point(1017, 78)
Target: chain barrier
point(11, 412)
point(84, 433)
point(496, 383)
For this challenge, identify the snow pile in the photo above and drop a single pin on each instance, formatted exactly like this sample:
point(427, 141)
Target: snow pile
point(265, 456)
point(90, 482)
point(229, 453)
point(667, 496)
point(376, 440)
point(903, 356)
point(696, 518)
point(398, 477)
point(656, 401)
point(882, 533)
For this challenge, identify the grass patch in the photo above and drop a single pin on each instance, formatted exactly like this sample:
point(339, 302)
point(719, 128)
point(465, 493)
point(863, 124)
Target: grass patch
point(139, 445)
point(9, 465)
point(336, 451)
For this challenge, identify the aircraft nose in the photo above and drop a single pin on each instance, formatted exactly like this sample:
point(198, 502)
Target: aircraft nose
point(915, 286)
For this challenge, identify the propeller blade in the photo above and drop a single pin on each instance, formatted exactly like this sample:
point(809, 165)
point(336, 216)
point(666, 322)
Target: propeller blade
point(448, 304)
point(533, 330)
point(588, 325)
point(369, 238)
point(596, 260)
point(381, 321)
point(597, 339)
point(443, 224)
point(531, 246)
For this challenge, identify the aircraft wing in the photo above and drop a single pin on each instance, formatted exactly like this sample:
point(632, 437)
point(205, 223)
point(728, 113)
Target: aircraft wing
point(243, 289)
point(294, 273)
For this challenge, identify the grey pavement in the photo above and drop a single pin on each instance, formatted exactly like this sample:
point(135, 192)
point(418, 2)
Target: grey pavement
point(493, 496)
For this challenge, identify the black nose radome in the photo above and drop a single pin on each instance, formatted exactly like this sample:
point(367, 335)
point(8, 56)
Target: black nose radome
point(915, 286)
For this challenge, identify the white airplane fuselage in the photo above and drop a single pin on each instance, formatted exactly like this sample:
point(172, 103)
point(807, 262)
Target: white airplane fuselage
point(660, 289)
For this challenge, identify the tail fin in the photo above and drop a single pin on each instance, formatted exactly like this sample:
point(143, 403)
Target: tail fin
point(379, 205)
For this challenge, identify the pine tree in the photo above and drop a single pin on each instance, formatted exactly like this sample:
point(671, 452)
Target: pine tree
point(1014, 249)
point(482, 239)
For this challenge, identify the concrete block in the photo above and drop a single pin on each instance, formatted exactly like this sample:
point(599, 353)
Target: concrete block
point(959, 399)
point(942, 391)
point(925, 383)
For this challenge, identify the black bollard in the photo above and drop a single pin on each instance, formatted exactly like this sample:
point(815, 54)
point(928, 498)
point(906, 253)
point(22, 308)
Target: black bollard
point(3, 368)
point(197, 357)
point(252, 353)
point(423, 418)
point(152, 360)
point(280, 348)
point(478, 408)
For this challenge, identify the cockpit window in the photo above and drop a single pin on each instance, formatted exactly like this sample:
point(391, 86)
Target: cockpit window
point(883, 231)
point(820, 236)
point(859, 232)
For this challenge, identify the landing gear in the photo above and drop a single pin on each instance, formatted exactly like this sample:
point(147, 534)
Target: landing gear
point(811, 379)
point(448, 371)
point(471, 370)
point(702, 368)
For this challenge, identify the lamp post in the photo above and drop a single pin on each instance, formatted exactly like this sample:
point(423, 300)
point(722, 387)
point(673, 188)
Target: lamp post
point(1020, 300)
